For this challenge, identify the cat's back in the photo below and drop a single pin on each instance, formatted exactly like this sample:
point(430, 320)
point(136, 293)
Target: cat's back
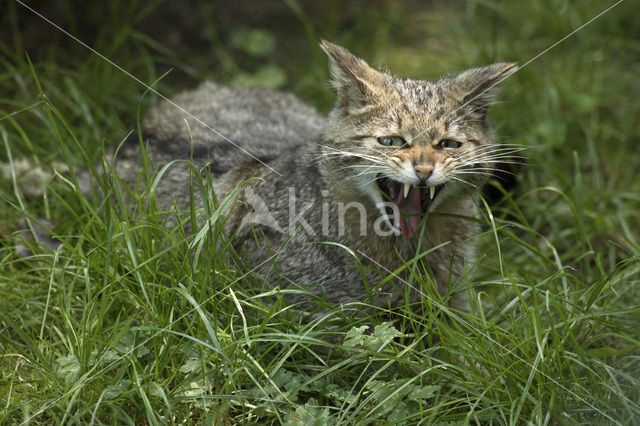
point(218, 120)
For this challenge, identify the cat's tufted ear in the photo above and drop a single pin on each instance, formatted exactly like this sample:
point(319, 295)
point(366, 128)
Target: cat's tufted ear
point(479, 86)
point(355, 82)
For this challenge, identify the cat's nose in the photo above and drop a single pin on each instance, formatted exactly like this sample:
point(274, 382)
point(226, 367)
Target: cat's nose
point(423, 170)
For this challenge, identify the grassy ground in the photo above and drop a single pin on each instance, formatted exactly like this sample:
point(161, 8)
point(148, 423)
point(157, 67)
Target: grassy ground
point(122, 325)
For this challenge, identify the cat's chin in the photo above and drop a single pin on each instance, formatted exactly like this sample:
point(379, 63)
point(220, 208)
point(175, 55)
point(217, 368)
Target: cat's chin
point(412, 201)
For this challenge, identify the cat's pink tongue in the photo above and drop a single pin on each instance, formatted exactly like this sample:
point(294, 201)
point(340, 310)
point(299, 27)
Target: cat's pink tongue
point(409, 218)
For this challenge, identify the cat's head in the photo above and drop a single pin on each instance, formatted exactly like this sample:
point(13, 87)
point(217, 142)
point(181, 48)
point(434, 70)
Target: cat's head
point(408, 141)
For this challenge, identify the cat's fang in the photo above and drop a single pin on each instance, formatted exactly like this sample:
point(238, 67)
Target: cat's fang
point(407, 187)
point(432, 192)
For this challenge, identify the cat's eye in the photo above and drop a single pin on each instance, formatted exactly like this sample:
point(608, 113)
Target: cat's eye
point(392, 141)
point(449, 143)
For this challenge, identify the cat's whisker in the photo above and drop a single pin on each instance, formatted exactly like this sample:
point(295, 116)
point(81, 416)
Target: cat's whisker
point(504, 153)
point(492, 159)
point(354, 177)
point(513, 145)
point(355, 166)
point(480, 161)
point(487, 172)
point(491, 151)
point(366, 184)
point(476, 164)
point(372, 169)
point(499, 148)
point(495, 176)
point(367, 168)
point(482, 169)
point(481, 165)
point(502, 146)
point(495, 149)
point(343, 152)
point(476, 171)
point(340, 153)
point(457, 179)
point(490, 156)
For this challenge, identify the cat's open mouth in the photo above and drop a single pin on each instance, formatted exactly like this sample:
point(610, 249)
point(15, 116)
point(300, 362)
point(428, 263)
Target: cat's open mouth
point(412, 202)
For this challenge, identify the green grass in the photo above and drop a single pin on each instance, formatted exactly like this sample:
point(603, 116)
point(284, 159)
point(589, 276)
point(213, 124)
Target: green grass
point(131, 322)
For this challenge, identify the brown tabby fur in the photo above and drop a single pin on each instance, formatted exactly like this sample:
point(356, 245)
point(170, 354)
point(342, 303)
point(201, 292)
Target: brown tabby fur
point(338, 157)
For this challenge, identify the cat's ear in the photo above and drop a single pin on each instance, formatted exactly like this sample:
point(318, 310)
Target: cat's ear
point(355, 82)
point(479, 86)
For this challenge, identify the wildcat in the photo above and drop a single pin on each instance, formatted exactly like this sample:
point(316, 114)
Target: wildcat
point(392, 172)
